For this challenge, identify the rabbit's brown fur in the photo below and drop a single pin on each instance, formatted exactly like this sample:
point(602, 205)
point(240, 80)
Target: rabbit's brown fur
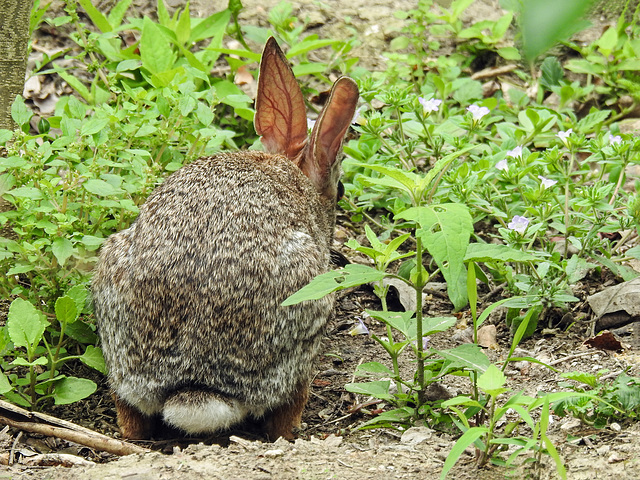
point(188, 298)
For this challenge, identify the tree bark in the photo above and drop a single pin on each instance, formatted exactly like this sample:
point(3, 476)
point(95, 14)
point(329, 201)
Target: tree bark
point(14, 44)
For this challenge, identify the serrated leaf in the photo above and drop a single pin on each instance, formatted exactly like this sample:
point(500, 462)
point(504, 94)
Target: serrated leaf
point(26, 363)
point(25, 324)
point(66, 310)
point(71, 389)
point(100, 187)
point(586, 378)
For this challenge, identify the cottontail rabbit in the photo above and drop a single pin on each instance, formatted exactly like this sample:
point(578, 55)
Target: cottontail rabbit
point(188, 298)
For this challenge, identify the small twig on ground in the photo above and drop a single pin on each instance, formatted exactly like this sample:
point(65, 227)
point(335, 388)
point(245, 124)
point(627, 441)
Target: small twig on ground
point(12, 453)
point(571, 357)
point(41, 423)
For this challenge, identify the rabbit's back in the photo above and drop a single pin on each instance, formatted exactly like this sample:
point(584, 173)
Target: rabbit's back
point(189, 296)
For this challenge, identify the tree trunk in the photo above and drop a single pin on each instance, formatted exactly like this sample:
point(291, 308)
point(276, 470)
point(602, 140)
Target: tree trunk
point(14, 44)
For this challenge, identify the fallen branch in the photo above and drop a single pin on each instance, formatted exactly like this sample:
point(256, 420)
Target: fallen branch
point(41, 423)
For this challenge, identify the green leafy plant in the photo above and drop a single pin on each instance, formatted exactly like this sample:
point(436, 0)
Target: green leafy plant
point(40, 345)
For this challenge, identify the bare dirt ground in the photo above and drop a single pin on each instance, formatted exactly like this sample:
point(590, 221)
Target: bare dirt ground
point(329, 444)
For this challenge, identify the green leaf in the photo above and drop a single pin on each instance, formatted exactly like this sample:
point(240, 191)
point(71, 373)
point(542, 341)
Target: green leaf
point(100, 188)
point(183, 28)
point(586, 378)
point(23, 362)
point(445, 231)
point(5, 385)
point(25, 324)
point(469, 356)
point(350, 276)
point(378, 389)
point(93, 358)
point(93, 126)
point(306, 46)
point(155, 49)
point(552, 73)
point(545, 22)
point(460, 446)
point(5, 136)
point(373, 367)
point(62, 249)
point(71, 389)
point(487, 252)
point(20, 113)
point(98, 19)
point(66, 310)
point(79, 294)
point(118, 12)
point(212, 27)
point(492, 381)
point(81, 332)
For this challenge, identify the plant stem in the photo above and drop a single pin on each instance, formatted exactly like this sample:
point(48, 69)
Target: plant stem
point(419, 286)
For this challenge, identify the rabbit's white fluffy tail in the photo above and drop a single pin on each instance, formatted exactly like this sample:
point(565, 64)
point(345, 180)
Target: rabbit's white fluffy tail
point(198, 411)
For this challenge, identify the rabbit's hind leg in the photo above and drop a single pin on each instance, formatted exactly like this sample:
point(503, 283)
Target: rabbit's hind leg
point(281, 421)
point(134, 425)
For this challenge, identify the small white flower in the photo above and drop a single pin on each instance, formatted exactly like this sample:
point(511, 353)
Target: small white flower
point(310, 124)
point(614, 140)
point(477, 112)
point(515, 153)
point(359, 329)
point(432, 105)
point(564, 135)
point(519, 224)
point(547, 182)
point(502, 165)
point(356, 116)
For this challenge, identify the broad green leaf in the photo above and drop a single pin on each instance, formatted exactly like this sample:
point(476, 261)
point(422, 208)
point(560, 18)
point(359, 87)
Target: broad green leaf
point(93, 358)
point(100, 187)
point(5, 386)
point(71, 389)
point(81, 332)
point(487, 252)
point(5, 135)
point(468, 355)
point(118, 12)
point(211, 27)
point(350, 276)
point(373, 367)
point(26, 363)
point(62, 249)
point(378, 389)
point(492, 381)
point(20, 113)
point(445, 231)
point(586, 378)
point(66, 310)
point(545, 22)
point(155, 49)
point(93, 126)
point(79, 294)
point(25, 324)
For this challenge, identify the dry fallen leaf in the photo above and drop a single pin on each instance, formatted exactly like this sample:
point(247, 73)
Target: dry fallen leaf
point(605, 341)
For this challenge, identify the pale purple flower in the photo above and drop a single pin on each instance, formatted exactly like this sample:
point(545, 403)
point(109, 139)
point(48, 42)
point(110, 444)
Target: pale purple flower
point(359, 329)
point(356, 116)
point(503, 165)
point(425, 343)
point(614, 140)
point(431, 105)
point(519, 224)
point(547, 182)
point(515, 153)
point(477, 112)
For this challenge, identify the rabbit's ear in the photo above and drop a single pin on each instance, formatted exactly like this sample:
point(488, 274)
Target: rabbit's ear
point(319, 160)
point(281, 116)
